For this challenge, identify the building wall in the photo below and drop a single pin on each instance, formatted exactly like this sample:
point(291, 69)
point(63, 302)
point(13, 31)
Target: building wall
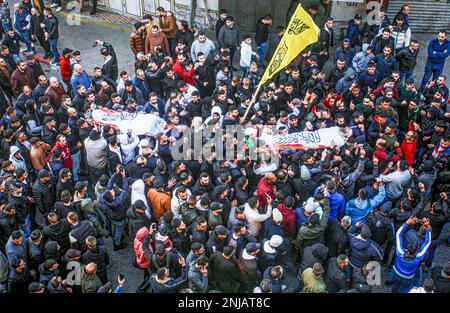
point(182, 9)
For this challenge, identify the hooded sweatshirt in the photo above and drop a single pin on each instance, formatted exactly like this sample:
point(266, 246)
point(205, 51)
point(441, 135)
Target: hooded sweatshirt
point(345, 82)
point(361, 59)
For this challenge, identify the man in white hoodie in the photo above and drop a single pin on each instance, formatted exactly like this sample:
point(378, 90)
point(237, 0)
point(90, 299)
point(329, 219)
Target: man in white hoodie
point(246, 55)
point(253, 217)
point(179, 198)
point(138, 190)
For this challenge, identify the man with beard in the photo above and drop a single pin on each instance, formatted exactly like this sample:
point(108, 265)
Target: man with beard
point(104, 94)
point(205, 73)
point(41, 87)
point(99, 77)
point(180, 237)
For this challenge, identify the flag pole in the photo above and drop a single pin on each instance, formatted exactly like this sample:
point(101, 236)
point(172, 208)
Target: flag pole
point(252, 102)
point(250, 106)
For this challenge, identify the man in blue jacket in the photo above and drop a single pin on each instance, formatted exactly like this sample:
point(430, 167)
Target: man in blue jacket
point(438, 51)
point(359, 208)
point(163, 283)
point(336, 200)
point(407, 271)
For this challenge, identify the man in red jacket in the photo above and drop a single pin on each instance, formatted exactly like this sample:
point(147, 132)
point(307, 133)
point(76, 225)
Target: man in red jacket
point(64, 65)
point(61, 144)
point(266, 187)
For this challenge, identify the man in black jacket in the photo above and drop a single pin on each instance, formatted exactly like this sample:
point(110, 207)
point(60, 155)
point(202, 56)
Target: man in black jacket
point(336, 238)
point(37, 32)
point(57, 230)
point(224, 274)
point(262, 35)
point(51, 33)
point(44, 196)
point(110, 65)
point(337, 277)
point(8, 223)
point(407, 60)
point(326, 41)
point(80, 231)
point(98, 255)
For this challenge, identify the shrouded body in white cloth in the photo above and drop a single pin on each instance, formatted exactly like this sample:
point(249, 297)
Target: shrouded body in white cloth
point(139, 123)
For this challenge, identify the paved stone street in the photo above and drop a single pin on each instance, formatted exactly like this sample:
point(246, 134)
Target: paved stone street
point(81, 37)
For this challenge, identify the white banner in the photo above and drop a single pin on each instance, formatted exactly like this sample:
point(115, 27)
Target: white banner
point(322, 138)
point(138, 123)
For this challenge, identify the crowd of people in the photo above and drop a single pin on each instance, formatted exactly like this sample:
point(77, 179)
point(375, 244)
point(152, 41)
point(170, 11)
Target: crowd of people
point(332, 217)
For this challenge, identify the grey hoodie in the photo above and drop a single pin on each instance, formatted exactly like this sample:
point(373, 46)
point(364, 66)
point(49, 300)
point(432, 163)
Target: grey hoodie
point(361, 59)
point(345, 82)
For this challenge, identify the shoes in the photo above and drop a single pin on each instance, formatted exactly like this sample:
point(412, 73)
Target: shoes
point(54, 5)
point(93, 12)
point(58, 9)
point(123, 245)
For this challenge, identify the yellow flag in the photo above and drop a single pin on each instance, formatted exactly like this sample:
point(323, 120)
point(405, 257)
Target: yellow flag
point(300, 33)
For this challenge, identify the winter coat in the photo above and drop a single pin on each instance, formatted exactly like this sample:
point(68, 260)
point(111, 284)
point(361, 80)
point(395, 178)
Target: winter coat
point(347, 55)
point(363, 251)
point(168, 25)
point(250, 273)
point(288, 222)
point(407, 60)
point(197, 282)
point(214, 244)
point(79, 234)
point(345, 82)
point(159, 201)
point(311, 234)
point(89, 283)
point(335, 277)
point(336, 238)
point(44, 196)
point(224, 275)
point(402, 36)
point(137, 42)
point(136, 221)
point(99, 256)
point(358, 209)
point(316, 253)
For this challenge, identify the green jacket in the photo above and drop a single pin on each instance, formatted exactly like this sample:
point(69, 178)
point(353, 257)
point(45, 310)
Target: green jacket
point(89, 283)
point(311, 234)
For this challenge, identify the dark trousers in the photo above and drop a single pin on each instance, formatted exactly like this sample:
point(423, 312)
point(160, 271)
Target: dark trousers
point(431, 70)
point(44, 44)
point(95, 174)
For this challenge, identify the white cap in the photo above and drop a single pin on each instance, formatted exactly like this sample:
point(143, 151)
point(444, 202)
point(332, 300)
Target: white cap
point(144, 143)
point(276, 241)
point(277, 216)
point(310, 205)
